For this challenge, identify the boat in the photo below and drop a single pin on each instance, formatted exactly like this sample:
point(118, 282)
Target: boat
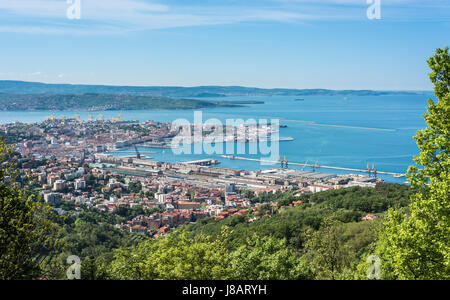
point(285, 139)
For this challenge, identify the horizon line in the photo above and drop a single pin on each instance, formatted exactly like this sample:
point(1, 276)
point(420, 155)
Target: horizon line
point(225, 86)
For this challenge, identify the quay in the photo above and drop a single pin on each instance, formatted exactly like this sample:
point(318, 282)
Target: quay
point(145, 152)
point(397, 175)
point(202, 162)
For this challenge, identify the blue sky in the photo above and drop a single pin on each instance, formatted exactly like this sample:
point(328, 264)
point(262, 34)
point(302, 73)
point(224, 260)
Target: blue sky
point(260, 43)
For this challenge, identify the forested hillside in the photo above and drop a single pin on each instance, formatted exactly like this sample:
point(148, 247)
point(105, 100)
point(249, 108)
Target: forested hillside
point(100, 102)
point(322, 238)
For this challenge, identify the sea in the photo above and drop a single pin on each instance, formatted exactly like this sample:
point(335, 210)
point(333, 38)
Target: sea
point(348, 132)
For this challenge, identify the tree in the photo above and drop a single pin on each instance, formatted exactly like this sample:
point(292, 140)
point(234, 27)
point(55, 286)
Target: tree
point(267, 258)
point(24, 225)
point(327, 251)
point(416, 246)
point(178, 256)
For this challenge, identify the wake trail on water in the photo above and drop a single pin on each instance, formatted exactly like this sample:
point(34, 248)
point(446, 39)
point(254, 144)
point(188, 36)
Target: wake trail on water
point(309, 123)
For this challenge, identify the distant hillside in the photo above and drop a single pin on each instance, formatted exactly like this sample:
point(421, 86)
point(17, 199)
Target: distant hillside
point(94, 101)
point(21, 87)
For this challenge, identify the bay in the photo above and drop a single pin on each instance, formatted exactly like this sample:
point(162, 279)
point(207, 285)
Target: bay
point(336, 131)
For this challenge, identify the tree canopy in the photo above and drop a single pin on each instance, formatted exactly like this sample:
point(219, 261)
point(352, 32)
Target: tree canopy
point(25, 226)
point(416, 245)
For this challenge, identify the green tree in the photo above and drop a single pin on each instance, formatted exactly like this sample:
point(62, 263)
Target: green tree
point(178, 256)
point(25, 229)
point(416, 246)
point(327, 251)
point(267, 258)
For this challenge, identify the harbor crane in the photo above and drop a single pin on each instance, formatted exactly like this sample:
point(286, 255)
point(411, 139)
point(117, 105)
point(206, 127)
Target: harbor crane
point(118, 119)
point(303, 169)
point(315, 166)
point(372, 171)
point(284, 162)
point(138, 155)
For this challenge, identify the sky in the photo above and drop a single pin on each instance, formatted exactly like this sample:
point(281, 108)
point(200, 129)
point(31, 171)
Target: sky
point(333, 44)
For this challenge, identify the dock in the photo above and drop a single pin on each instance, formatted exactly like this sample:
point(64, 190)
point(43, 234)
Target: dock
point(397, 175)
point(202, 162)
point(134, 152)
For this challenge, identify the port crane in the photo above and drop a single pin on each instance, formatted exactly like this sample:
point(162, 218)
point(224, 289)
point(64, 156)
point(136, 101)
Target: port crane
point(118, 119)
point(372, 171)
point(303, 169)
point(284, 162)
point(138, 155)
point(315, 166)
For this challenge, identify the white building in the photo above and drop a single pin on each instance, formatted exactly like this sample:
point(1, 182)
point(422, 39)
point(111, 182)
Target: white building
point(161, 198)
point(52, 198)
point(80, 184)
point(59, 185)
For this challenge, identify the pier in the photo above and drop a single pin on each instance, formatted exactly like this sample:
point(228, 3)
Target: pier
point(145, 152)
point(202, 162)
point(397, 175)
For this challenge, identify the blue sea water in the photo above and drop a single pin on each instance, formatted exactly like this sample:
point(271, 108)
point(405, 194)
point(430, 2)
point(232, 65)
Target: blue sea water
point(330, 130)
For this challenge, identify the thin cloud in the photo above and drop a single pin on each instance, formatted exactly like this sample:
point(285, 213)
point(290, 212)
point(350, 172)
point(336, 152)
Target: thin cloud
point(121, 16)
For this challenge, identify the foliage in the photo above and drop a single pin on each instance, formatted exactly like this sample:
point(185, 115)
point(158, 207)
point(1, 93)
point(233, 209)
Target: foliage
point(99, 102)
point(88, 239)
point(181, 256)
point(25, 228)
point(267, 258)
point(416, 246)
point(327, 250)
point(177, 256)
point(365, 200)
